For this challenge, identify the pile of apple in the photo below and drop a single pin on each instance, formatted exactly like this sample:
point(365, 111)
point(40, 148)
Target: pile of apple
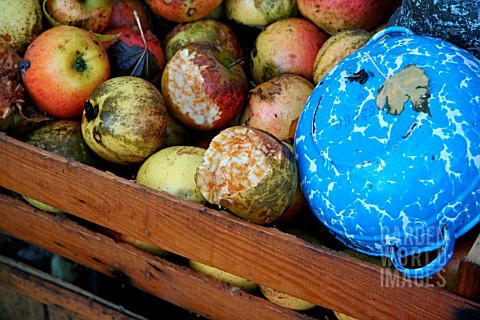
point(202, 97)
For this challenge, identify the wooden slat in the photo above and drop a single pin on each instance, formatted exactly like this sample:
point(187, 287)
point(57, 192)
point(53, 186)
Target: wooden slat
point(264, 255)
point(51, 291)
point(468, 282)
point(164, 279)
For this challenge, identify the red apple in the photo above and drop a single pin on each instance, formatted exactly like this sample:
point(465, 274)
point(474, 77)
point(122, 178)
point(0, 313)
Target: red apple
point(286, 46)
point(123, 16)
point(259, 13)
point(128, 52)
point(202, 30)
point(341, 15)
point(276, 104)
point(183, 10)
point(203, 86)
point(60, 69)
point(91, 15)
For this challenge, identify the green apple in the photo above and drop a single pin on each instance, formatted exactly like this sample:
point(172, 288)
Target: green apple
point(125, 120)
point(202, 30)
point(223, 276)
point(259, 13)
point(91, 15)
point(20, 22)
point(60, 69)
point(285, 300)
point(172, 170)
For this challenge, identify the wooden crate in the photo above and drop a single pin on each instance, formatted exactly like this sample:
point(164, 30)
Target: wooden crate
point(262, 254)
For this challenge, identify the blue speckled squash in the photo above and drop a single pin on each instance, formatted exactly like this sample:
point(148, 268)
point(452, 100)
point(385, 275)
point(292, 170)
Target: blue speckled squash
point(395, 183)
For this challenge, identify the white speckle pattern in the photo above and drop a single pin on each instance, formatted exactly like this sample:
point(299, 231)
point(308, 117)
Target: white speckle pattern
point(377, 180)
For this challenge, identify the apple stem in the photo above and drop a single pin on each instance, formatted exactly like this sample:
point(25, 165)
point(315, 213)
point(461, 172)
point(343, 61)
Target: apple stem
point(238, 61)
point(145, 45)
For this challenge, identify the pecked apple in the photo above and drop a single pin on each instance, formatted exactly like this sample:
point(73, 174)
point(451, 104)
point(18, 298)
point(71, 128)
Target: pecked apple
point(91, 15)
point(204, 87)
point(202, 30)
point(60, 69)
point(243, 169)
point(259, 13)
point(183, 10)
point(286, 46)
point(276, 104)
point(335, 16)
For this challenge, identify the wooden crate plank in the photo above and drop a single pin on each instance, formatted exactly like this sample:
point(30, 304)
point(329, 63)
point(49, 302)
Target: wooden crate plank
point(468, 282)
point(69, 300)
point(15, 305)
point(264, 255)
point(164, 279)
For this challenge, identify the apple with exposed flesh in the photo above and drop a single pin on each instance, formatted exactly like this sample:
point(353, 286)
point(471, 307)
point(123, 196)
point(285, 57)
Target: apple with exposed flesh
point(202, 30)
point(286, 46)
point(336, 16)
point(183, 10)
point(91, 15)
point(243, 170)
point(20, 22)
point(336, 48)
point(60, 69)
point(259, 13)
point(276, 104)
point(135, 47)
point(204, 86)
point(123, 16)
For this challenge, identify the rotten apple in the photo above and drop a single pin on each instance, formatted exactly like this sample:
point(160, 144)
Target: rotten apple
point(202, 30)
point(123, 16)
point(204, 86)
point(91, 15)
point(243, 170)
point(183, 10)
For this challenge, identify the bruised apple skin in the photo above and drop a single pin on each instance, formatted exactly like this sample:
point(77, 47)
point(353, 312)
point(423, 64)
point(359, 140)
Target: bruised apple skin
point(183, 10)
point(286, 46)
point(91, 15)
point(259, 13)
point(276, 105)
point(341, 15)
point(243, 169)
point(202, 30)
point(203, 86)
point(20, 22)
point(125, 120)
